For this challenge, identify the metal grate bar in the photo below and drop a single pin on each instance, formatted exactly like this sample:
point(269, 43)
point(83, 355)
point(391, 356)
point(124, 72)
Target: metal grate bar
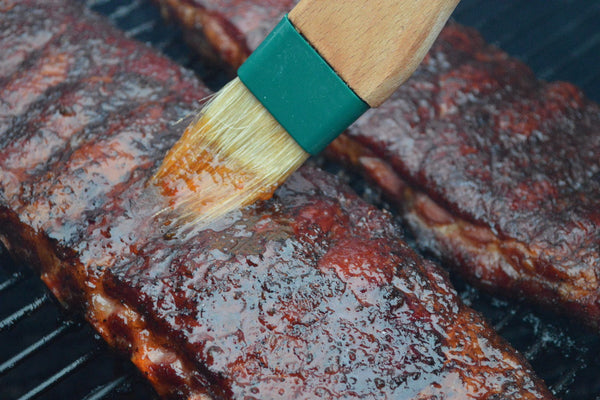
point(568, 377)
point(13, 280)
point(573, 56)
point(96, 3)
point(36, 346)
point(124, 10)
point(162, 45)
point(469, 296)
point(141, 28)
point(535, 349)
point(106, 389)
point(23, 312)
point(504, 321)
point(60, 375)
point(510, 314)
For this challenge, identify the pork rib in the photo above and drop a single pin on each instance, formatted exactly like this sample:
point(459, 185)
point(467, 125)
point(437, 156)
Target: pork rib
point(310, 294)
point(495, 171)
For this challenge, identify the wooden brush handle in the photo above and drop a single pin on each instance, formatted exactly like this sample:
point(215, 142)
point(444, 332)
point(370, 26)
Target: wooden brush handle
point(373, 45)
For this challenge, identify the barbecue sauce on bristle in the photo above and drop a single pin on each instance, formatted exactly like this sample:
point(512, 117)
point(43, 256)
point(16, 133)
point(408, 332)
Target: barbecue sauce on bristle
point(199, 187)
point(227, 159)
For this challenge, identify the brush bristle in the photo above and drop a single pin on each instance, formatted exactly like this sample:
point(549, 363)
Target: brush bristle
point(232, 155)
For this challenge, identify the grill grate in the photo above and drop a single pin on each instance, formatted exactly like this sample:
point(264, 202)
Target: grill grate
point(558, 39)
point(23, 312)
point(35, 346)
point(563, 354)
point(47, 354)
point(11, 281)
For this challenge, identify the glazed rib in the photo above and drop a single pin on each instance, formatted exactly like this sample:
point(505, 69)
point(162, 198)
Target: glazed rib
point(310, 294)
point(495, 171)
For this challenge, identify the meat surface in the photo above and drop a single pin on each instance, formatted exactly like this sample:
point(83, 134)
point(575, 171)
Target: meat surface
point(231, 27)
point(310, 294)
point(495, 171)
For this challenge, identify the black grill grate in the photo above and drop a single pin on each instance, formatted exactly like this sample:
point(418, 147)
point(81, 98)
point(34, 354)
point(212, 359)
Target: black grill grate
point(558, 39)
point(47, 354)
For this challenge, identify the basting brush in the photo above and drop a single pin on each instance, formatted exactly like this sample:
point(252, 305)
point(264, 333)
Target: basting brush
point(323, 66)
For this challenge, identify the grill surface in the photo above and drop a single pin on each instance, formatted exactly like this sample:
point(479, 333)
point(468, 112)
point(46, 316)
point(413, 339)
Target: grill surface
point(47, 354)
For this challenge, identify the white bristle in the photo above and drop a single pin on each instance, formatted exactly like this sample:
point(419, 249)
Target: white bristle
point(233, 154)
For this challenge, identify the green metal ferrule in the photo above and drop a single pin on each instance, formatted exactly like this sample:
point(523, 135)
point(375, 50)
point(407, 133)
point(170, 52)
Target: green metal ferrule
point(302, 92)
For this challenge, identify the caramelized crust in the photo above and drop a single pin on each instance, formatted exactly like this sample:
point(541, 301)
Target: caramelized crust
point(84, 114)
point(310, 294)
point(484, 142)
point(513, 158)
point(224, 30)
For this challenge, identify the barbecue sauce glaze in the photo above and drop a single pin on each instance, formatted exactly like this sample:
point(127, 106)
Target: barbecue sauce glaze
point(310, 294)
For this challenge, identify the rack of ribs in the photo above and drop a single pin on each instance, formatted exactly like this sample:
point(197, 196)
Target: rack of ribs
point(496, 172)
point(310, 294)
